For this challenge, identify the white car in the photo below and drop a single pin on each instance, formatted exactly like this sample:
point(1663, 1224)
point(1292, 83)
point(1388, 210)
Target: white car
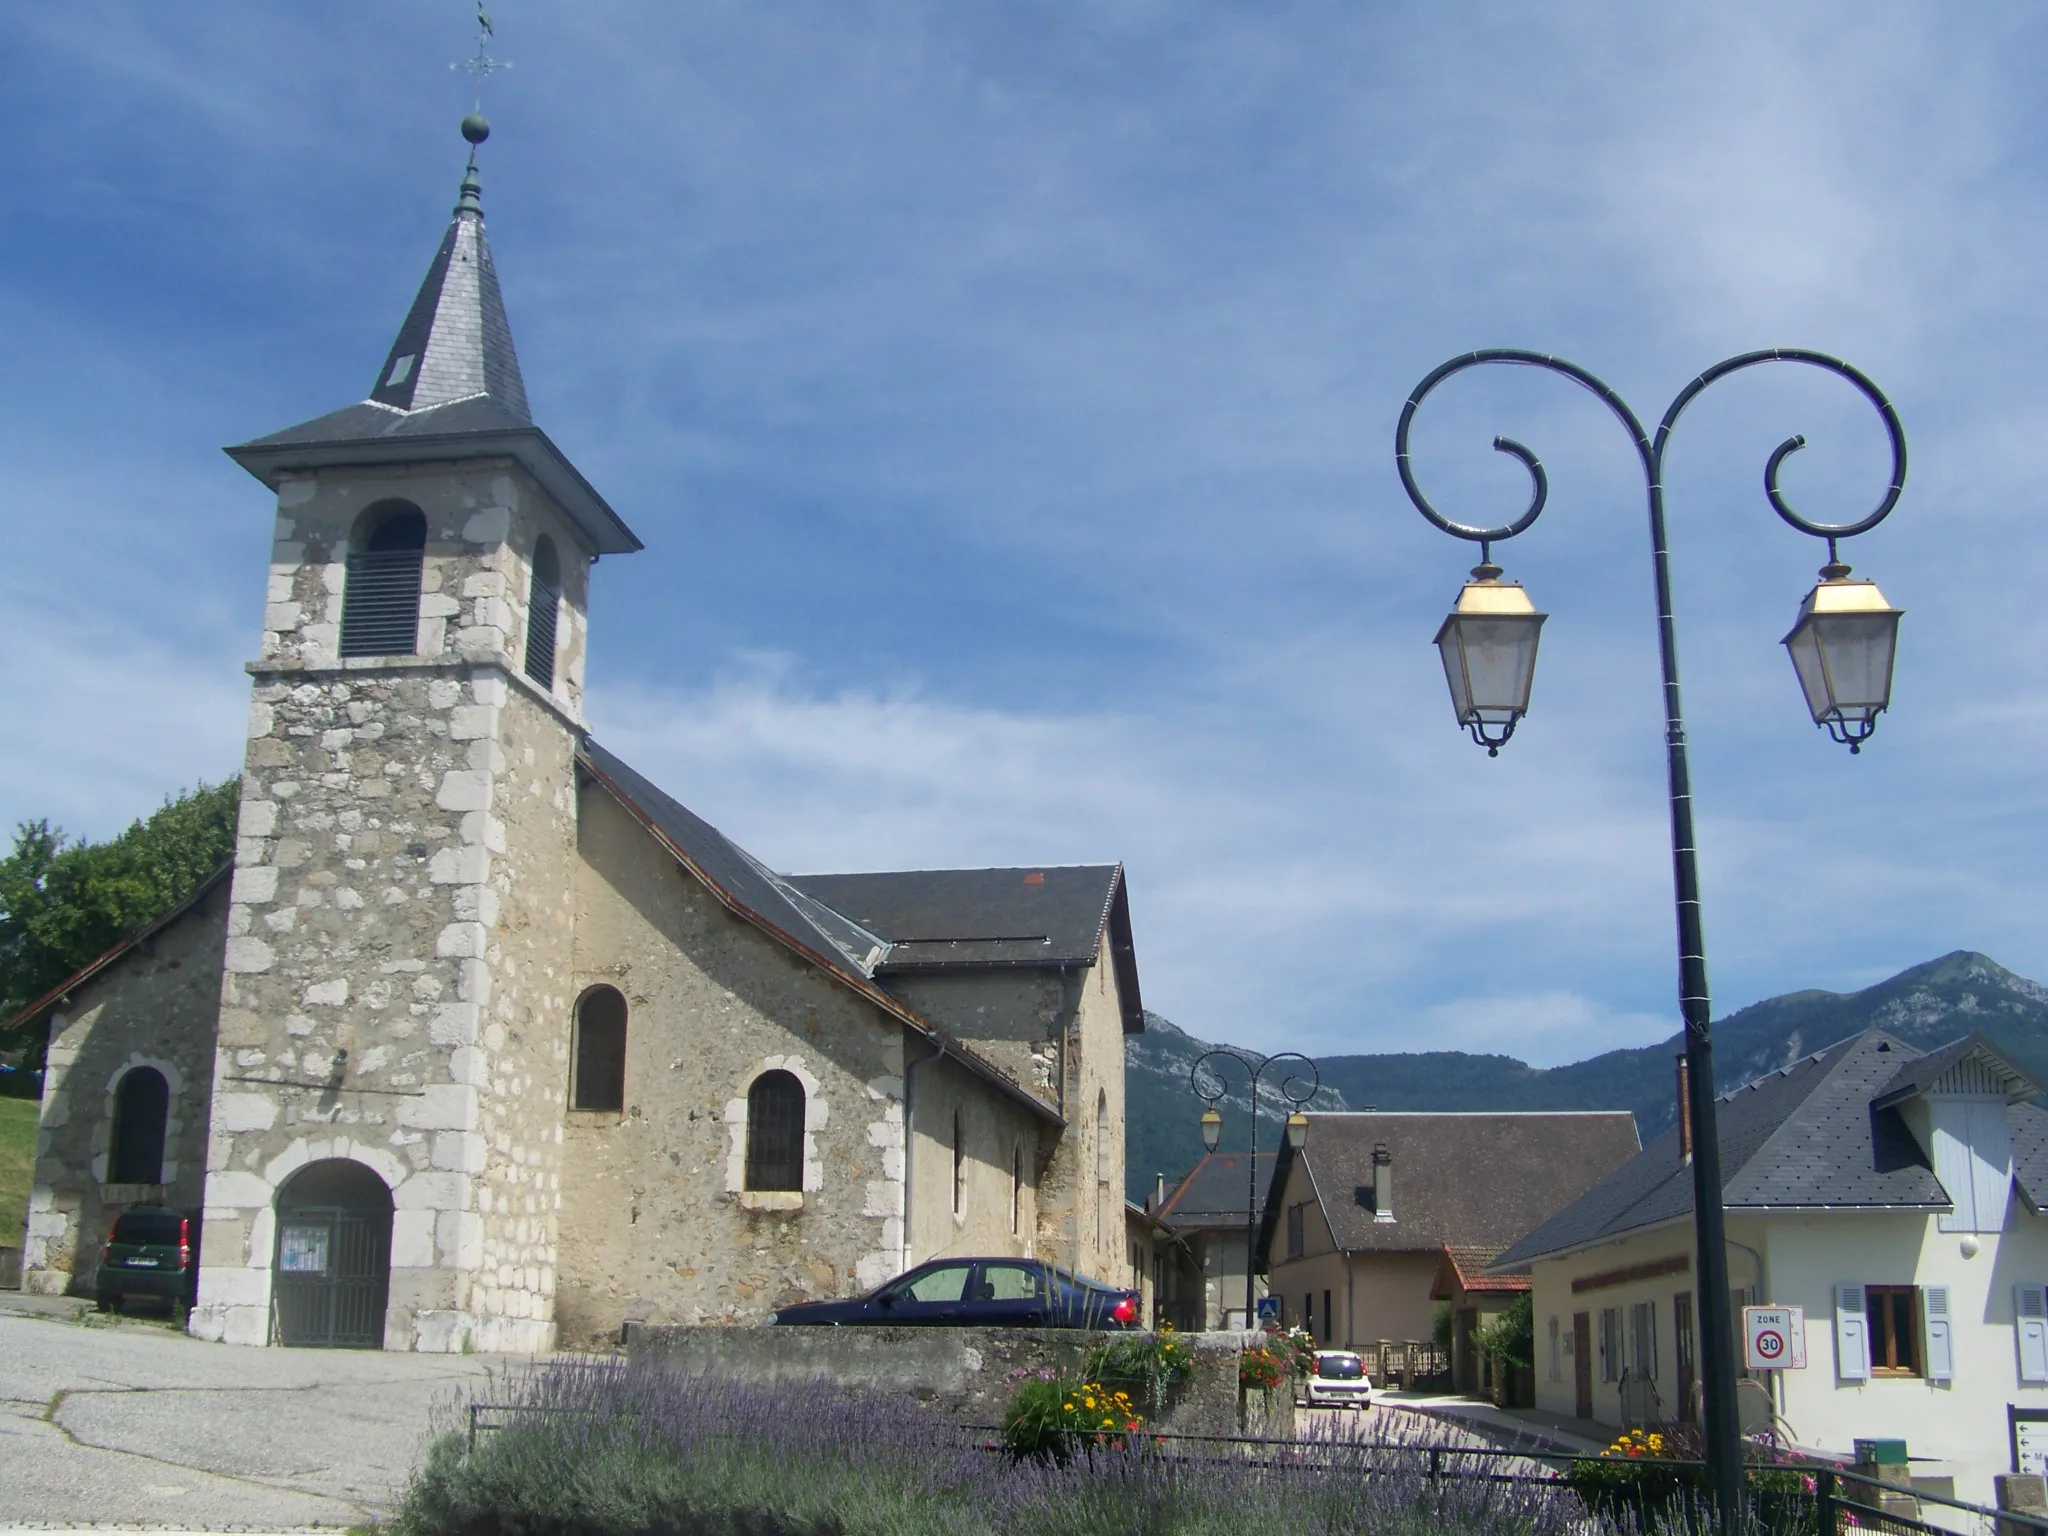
point(1339, 1381)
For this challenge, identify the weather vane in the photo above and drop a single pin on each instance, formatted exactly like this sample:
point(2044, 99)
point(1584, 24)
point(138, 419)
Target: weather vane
point(483, 65)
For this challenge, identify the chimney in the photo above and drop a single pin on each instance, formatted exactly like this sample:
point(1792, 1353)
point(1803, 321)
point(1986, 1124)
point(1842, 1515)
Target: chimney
point(1684, 1110)
point(1158, 1192)
point(1382, 1183)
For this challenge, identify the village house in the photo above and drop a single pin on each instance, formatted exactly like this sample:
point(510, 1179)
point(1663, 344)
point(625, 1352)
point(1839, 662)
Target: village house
point(487, 1042)
point(1895, 1196)
point(1210, 1215)
point(1378, 1217)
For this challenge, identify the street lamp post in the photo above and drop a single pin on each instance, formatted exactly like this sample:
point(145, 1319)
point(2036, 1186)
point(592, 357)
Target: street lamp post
point(1293, 1089)
point(1842, 647)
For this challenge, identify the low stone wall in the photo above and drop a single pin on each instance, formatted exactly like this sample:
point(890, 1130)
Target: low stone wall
point(965, 1371)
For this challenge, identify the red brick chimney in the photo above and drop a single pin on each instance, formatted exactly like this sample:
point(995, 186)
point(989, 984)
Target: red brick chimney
point(1684, 1110)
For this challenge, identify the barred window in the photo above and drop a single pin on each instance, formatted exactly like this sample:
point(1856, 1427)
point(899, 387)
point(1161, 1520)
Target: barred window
point(142, 1105)
point(599, 1080)
point(775, 1132)
point(543, 605)
point(380, 604)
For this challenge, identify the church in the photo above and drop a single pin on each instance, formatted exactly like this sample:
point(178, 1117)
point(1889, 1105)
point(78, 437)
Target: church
point(484, 1042)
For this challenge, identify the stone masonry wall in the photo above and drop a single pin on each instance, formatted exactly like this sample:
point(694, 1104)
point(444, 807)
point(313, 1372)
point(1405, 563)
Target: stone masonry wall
point(155, 1007)
point(393, 938)
point(966, 1371)
point(654, 1221)
point(1081, 1192)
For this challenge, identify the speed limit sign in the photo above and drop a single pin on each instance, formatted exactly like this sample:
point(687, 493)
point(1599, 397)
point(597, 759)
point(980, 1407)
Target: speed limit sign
point(1774, 1338)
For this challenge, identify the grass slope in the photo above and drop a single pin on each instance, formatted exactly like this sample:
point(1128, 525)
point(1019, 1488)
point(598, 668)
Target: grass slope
point(17, 1159)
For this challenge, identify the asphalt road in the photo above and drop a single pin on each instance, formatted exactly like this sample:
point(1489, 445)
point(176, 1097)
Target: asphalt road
point(132, 1423)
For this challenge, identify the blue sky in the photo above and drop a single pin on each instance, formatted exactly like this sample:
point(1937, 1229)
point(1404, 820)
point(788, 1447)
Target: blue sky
point(1005, 394)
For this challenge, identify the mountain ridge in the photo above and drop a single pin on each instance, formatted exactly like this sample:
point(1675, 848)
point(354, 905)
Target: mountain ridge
point(1927, 1005)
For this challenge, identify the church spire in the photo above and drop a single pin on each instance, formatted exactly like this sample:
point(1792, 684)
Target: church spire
point(455, 343)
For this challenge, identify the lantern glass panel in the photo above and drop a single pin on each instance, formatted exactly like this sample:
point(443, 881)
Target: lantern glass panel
point(1857, 649)
point(1490, 664)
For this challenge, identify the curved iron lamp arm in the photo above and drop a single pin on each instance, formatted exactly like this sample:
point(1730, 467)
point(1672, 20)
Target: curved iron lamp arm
point(1717, 1334)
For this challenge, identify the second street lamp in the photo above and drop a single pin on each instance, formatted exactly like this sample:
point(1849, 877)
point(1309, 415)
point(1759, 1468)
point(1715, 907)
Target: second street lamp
point(1841, 647)
point(1296, 1089)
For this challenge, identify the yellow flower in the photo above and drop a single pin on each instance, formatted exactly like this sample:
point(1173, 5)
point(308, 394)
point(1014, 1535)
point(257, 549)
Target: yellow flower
point(1069, 1407)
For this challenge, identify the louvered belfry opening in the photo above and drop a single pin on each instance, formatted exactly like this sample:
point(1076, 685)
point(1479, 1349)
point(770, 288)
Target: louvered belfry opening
point(775, 1132)
point(380, 605)
point(543, 606)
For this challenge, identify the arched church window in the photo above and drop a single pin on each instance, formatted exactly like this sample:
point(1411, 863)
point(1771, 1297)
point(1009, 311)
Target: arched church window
point(142, 1103)
point(1102, 1169)
point(598, 1078)
point(543, 606)
point(775, 1132)
point(380, 604)
point(959, 1167)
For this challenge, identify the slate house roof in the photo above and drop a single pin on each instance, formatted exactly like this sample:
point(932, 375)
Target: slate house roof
point(1822, 1133)
point(1212, 1197)
point(1468, 1180)
point(1047, 918)
point(450, 389)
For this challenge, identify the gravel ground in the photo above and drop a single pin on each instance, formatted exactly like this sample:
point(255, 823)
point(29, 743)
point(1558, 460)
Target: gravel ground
point(131, 1423)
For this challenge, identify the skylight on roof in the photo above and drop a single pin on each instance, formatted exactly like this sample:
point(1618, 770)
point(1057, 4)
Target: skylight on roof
point(401, 370)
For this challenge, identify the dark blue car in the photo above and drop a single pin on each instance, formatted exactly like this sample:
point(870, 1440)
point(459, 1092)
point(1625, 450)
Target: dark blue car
point(985, 1293)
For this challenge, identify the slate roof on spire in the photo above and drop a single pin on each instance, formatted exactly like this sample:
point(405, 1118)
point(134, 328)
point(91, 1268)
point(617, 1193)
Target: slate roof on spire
point(450, 390)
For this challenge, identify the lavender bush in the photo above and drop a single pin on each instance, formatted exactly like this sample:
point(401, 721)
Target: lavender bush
point(601, 1448)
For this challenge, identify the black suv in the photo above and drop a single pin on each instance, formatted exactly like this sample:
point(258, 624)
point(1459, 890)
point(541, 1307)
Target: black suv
point(986, 1293)
point(153, 1251)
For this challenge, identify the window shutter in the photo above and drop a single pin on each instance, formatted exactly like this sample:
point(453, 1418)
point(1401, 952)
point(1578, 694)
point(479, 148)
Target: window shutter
point(1852, 1334)
point(1940, 1352)
point(2030, 1308)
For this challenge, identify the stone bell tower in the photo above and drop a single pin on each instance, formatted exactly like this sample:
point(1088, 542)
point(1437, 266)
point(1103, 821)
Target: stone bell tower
point(393, 1040)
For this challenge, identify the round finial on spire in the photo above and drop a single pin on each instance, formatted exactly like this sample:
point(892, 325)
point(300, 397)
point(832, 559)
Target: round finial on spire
point(476, 128)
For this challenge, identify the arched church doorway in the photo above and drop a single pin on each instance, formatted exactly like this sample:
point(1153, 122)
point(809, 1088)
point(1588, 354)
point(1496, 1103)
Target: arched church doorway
point(331, 1275)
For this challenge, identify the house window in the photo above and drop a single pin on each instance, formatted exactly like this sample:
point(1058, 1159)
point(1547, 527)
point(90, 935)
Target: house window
point(1329, 1321)
point(1556, 1354)
point(1294, 1231)
point(543, 605)
point(1016, 1191)
point(1688, 1361)
point(599, 1078)
point(142, 1104)
point(1642, 1340)
point(775, 1132)
point(1610, 1344)
point(1894, 1315)
point(1308, 1311)
point(380, 601)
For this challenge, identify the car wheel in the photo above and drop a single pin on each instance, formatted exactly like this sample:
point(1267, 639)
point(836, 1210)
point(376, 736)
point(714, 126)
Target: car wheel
point(105, 1303)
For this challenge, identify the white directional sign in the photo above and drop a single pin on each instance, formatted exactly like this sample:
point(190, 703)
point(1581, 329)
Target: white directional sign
point(1774, 1338)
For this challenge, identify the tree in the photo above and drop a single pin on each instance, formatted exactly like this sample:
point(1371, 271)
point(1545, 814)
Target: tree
point(64, 903)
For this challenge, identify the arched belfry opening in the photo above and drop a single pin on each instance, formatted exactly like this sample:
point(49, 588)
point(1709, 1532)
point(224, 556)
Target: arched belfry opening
point(332, 1268)
point(380, 600)
point(142, 1104)
point(543, 608)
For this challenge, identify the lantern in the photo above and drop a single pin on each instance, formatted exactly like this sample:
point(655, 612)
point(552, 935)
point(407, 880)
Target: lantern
point(1488, 644)
point(1297, 1130)
point(1212, 1128)
point(1842, 648)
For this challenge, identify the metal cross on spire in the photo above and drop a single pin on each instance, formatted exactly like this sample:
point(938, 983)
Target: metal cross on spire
point(482, 65)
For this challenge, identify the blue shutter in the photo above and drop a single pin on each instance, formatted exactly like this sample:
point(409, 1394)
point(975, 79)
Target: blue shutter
point(1852, 1334)
point(1941, 1365)
point(2030, 1316)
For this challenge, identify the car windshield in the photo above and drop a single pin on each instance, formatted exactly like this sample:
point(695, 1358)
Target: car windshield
point(1339, 1367)
point(147, 1227)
